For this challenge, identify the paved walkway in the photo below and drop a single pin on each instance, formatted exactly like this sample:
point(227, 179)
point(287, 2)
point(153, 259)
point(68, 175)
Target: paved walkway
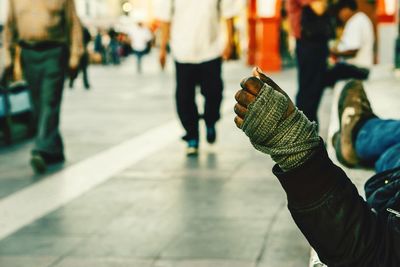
point(128, 196)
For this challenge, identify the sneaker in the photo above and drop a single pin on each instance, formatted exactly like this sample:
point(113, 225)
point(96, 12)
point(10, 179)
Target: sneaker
point(353, 108)
point(40, 161)
point(192, 148)
point(211, 134)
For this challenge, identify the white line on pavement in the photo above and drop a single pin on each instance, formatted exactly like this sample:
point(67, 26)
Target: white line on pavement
point(33, 202)
point(41, 198)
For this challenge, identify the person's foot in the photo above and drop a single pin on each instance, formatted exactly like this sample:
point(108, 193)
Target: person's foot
point(192, 148)
point(87, 86)
point(211, 134)
point(40, 161)
point(353, 107)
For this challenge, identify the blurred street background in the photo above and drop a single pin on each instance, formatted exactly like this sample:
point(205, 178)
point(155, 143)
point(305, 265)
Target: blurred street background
point(127, 194)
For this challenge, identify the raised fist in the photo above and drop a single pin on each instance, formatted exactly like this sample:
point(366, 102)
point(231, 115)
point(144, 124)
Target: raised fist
point(273, 124)
point(251, 87)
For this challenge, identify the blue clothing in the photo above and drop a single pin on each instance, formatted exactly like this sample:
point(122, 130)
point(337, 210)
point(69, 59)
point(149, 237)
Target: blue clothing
point(378, 141)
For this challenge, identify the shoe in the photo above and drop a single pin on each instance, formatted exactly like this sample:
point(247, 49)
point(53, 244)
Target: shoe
point(40, 161)
point(353, 108)
point(192, 148)
point(211, 134)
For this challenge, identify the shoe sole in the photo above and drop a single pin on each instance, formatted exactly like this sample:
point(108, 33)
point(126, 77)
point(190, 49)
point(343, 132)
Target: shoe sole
point(211, 141)
point(337, 138)
point(192, 152)
point(349, 86)
point(336, 142)
point(38, 164)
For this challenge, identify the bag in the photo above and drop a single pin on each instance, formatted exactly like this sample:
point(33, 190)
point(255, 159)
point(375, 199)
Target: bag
point(15, 112)
point(15, 100)
point(316, 28)
point(383, 190)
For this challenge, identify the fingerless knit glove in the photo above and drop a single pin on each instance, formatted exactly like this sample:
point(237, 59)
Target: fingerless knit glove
point(290, 140)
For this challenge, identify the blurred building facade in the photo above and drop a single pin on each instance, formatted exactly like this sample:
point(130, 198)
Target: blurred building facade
point(102, 10)
point(3, 10)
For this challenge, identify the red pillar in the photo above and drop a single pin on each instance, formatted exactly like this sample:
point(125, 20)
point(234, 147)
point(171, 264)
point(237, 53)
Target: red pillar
point(264, 38)
point(268, 53)
point(252, 22)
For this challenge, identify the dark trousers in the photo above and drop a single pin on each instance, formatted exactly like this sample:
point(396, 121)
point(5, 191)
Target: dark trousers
point(44, 71)
point(139, 55)
point(208, 76)
point(344, 71)
point(312, 65)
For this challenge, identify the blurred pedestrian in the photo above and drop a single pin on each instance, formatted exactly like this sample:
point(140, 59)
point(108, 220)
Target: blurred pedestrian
point(98, 45)
point(355, 50)
point(312, 29)
point(141, 38)
point(113, 47)
point(84, 63)
point(196, 40)
point(102, 43)
point(50, 35)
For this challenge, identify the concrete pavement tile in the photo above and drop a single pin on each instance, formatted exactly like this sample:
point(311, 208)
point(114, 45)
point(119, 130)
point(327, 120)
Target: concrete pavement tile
point(37, 245)
point(26, 261)
point(103, 262)
point(143, 245)
point(216, 198)
point(280, 250)
point(221, 227)
point(66, 226)
point(229, 247)
point(204, 263)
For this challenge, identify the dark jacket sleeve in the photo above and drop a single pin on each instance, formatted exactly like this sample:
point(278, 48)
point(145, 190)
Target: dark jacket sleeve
point(336, 221)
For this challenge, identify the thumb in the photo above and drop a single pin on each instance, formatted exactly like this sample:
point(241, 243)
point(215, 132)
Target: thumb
point(259, 73)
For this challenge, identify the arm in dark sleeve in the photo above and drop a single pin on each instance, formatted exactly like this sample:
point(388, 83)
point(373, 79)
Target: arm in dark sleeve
point(336, 221)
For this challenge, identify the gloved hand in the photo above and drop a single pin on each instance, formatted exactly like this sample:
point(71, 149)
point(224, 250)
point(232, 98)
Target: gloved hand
point(273, 123)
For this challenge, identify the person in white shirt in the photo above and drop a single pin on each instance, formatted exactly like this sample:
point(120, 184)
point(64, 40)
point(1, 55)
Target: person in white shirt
point(355, 49)
point(140, 37)
point(193, 30)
